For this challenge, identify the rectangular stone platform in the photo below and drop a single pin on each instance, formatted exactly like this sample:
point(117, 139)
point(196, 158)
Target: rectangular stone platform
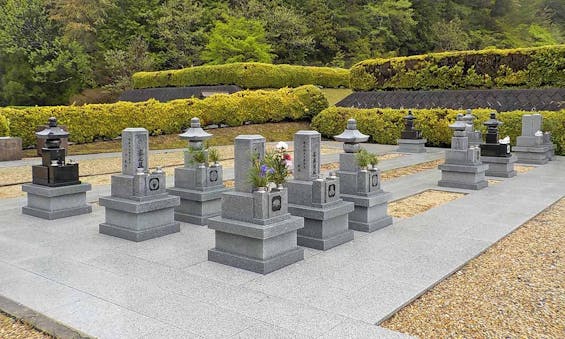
point(370, 212)
point(196, 207)
point(411, 145)
point(463, 176)
point(502, 167)
point(56, 202)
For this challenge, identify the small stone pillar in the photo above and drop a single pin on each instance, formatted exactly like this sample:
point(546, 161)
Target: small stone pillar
point(533, 146)
point(497, 155)
point(10, 148)
point(475, 137)
point(463, 167)
point(255, 232)
point(411, 140)
point(199, 185)
point(56, 191)
point(317, 199)
point(139, 207)
point(361, 186)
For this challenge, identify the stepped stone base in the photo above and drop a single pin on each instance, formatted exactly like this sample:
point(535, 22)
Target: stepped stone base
point(324, 228)
point(370, 213)
point(470, 177)
point(257, 248)
point(56, 202)
point(531, 155)
point(411, 145)
point(196, 207)
point(139, 220)
point(502, 167)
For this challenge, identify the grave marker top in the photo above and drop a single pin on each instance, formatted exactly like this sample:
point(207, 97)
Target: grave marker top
point(246, 148)
point(135, 150)
point(307, 155)
point(531, 123)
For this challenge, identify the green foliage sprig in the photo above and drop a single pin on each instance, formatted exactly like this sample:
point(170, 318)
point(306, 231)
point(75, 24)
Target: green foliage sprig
point(275, 161)
point(258, 174)
point(365, 158)
point(197, 156)
point(213, 155)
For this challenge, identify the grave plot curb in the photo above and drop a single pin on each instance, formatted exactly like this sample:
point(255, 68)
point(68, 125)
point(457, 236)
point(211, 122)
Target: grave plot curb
point(39, 321)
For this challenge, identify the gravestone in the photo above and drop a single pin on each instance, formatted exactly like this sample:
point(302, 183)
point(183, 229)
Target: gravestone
point(361, 186)
point(533, 146)
point(316, 199)
point(463, 167)
point(497, 155)
point(475, 137)
point(255, 232)
point(199, 185)
point(139, 207)
point(411, 140)
point(10, 148)
point(56, 191)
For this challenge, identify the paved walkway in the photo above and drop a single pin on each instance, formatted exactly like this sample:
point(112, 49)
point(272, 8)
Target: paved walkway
point(165, 288)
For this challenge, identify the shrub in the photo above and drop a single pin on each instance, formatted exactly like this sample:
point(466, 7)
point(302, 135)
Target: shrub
point(4, 126)
point(384, 125)
point(88, 122)
point(491, 68)
point(248, 75)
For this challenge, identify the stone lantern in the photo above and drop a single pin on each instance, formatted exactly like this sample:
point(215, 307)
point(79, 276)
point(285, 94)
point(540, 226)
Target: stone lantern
point(361, 186)
point(55, 191)
point(475, 137)
point(411, 140)
point(198, 184)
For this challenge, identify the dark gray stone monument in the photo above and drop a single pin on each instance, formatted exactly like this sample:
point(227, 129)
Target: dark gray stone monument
point(316, 199)
point(139, 207)
point(10, 148)
point(199, 185)
point(533, 146)
point(361, 186)
point(463, 167)
point(497, 155)
point(56, 191)
point(255, 232)
point(475, 137)
point(411, 140)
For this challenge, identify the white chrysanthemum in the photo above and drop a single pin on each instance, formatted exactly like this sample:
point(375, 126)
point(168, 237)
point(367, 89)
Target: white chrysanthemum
point(282, 145)
point(505, 140)
point(539, 134)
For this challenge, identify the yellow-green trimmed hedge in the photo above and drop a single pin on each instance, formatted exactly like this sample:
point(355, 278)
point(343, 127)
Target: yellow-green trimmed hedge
point(85, 123)
point(4, 126)
point(248, 75)
point(490, 68)
point(384, 125)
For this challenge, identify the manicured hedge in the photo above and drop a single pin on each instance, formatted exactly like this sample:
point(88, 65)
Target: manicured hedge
point(85, 123)
point(4, 126)
point(491, 68)
point(248, 75)
point(384, 125)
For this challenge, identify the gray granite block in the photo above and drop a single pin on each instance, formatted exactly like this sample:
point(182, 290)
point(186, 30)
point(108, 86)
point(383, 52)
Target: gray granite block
point(56, 202)
point(411, 145)
point(196, 207)
point(531, 155)
point(139, 235)
point(257, 248)
point(370, 212)
point(463, 176)
point(325, 234)
point(500, 166)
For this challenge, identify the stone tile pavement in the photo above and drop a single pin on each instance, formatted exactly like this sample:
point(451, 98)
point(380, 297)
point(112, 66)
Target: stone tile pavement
point(165, 287)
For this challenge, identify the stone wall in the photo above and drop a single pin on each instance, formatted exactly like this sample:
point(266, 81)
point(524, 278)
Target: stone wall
point(547, 99)
point(171, 93)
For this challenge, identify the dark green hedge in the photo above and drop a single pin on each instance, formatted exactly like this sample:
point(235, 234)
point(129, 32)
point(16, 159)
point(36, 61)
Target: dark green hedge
point(490, 68)
point(384, 125)
point(248, 75)
point(85, 123)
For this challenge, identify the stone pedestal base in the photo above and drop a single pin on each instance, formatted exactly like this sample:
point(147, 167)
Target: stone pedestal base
point(196, 207)
point(470, 177)
point(139, 220)
point(411, 145)
point(324, 228)
point(257, 248)
point(56, 202)
point(10, 148)
point(551, 151)
point(370, 213)
point(500, 166)
point(531, 155)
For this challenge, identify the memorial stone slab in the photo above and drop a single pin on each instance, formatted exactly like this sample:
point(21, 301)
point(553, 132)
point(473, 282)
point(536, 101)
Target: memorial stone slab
point(139, 207)
point(531, 147)
point(316, 199)
point(10, 148)
point(254, 232)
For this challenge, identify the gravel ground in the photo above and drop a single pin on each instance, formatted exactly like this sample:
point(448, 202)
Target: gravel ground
point(516, 289)
point(421, 202)
point(13, 329)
